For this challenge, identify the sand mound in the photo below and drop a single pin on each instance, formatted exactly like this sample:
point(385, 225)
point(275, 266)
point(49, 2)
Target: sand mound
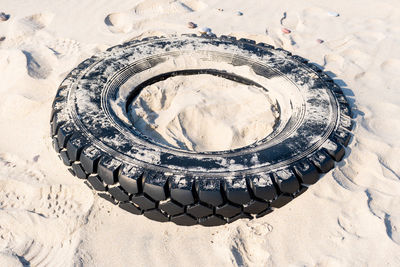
point(204, 113)
point(119, 22)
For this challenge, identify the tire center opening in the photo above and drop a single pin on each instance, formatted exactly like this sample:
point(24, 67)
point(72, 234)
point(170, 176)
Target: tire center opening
point(204, 113)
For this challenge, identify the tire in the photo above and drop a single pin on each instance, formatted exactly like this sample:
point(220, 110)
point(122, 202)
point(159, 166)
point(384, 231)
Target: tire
point(208, 188)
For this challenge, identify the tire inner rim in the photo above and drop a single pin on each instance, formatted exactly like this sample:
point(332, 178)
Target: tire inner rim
point(285, 97)
point(201, 110)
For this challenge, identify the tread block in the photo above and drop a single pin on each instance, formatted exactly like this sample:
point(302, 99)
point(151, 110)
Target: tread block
point(198, 210)
point(55, 124)
point(183, 219)
point(314, 67)
point(89, 158)
point(335, 88)
point(63, 134)
point(118, 193)
point(62, 90)
point(55, 145)
point(88, 185)
point(130, 208)
point(65, 158)
point(344, 105)
point(96, 183)
point(326, 77)
point(287, 53)
point(181, 190)
point(228, 210)
point(212, 220)
point(59, 102)
point(228, 38)
point(263, 213)
point(264, 45)
point(322, 161)
point(342, 136)
point(129, 177)
point(281, 201)
point(262, 186)
point(143, 202)
point(53, 113)
point(107, 197)
point(255, 206)
point(236, 190)
point(156, 215)
point(301, 191)
point(170, 207)
point(108, 169)
point(154, 185)
point(335, 150)
point(79, 171)
point(71, 171)
point(209, 191)
point(247, 40)
point(286, 181)
point(301, 59)
point(75, 145)
point(306, 171)
point(239, 216)
point(346, 122)
point(246, 46)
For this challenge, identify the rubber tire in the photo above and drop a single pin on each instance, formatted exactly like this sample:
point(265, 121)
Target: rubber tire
point(183, 196)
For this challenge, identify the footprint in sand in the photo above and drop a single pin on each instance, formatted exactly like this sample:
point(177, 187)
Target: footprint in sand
point(39, 222)
point(24, 191)
point(378, 204)
point(29, 25)
point(38, 21)
point(161, 7)
point(48, 201)
point(64, 47)
point(119, 22)
point(250, 237)
point(37, 65)
point(38, 241)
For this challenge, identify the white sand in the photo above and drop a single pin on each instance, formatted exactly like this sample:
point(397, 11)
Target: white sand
point(204, 113)
point(349, 218)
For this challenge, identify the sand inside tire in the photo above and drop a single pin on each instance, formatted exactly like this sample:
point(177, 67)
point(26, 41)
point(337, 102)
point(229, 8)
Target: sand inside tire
point(204, 113)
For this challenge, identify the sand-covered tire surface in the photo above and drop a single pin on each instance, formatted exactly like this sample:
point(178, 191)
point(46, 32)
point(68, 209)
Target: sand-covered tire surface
point(186, 187)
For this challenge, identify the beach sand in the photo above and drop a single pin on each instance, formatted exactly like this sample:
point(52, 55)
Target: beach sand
point(351, 217)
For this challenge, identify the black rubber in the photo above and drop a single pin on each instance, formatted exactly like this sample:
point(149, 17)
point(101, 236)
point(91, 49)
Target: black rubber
point(187, 188)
